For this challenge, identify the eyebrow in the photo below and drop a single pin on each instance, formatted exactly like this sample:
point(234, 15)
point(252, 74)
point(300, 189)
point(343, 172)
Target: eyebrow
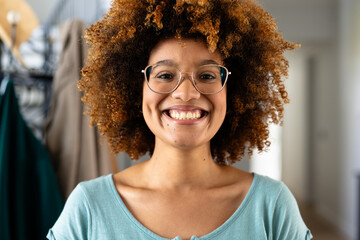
point(208, 61)
point(166, 62)
point(172, 63)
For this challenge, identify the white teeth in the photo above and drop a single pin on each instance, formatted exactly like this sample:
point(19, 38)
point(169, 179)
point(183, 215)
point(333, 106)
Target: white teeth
point(189, 115)
point(181, 115)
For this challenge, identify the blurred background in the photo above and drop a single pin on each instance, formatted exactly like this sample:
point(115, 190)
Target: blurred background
point(317, 150)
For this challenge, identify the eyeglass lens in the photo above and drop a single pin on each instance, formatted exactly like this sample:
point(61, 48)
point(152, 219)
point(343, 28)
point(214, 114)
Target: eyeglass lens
point(207, 78)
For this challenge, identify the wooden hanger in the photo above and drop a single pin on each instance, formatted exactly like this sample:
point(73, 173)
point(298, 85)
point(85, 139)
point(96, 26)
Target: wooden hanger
point(25, 25)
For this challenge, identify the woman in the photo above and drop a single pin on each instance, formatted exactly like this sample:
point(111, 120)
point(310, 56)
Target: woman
point(195, 84)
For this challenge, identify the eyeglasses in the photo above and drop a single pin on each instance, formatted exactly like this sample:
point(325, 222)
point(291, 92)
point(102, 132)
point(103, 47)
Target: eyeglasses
point(207, 79)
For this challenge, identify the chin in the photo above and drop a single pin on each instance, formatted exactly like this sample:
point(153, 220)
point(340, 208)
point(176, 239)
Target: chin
point(187, 142)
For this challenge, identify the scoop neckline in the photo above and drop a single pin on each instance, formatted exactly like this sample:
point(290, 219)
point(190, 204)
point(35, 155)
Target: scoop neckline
point(208, 236)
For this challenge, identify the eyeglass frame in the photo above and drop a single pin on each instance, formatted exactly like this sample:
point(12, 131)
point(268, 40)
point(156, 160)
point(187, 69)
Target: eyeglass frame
point(192, 79)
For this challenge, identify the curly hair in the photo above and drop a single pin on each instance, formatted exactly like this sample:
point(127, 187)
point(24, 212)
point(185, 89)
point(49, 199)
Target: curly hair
point(247, 38)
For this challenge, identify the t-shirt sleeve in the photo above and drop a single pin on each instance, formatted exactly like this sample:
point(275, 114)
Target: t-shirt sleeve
point(75, 219)
point(288, 223)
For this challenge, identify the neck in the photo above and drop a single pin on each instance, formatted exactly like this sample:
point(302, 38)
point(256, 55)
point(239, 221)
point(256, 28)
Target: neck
point(180, 169)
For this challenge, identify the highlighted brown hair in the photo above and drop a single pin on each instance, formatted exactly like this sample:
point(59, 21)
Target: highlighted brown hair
point(246, 36)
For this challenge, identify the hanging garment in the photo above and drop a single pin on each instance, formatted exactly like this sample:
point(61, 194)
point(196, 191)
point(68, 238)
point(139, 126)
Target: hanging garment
point(30, 200)
point(75, 147)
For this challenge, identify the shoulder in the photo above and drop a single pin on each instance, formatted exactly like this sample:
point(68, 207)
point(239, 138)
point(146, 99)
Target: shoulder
point(76, 218)
point(260, 189)
point(95, 185)
point(265, 182)
point(280, 208)
point(91, 191)
point(268, 189)
point(94, 194)
point(272, 194)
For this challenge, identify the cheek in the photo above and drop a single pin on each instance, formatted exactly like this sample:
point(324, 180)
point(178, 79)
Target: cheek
point(147, 97)
point(146, 107)
point(220, 109)
point(150, 103)
point(220, 102)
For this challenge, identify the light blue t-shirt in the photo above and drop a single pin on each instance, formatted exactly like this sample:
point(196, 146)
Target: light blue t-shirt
point(95, 210)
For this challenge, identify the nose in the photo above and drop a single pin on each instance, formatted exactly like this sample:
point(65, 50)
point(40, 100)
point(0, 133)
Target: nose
point(186, 91)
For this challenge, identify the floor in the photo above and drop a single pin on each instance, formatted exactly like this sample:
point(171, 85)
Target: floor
point(320, 228)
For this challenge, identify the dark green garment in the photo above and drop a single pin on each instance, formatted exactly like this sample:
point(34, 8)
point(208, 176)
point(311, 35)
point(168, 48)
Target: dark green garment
point(30, 201)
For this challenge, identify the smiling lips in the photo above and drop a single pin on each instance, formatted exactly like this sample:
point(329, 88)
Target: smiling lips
point(185, 114)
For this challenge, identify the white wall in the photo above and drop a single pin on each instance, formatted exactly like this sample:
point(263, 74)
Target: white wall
point(295, 127)
point(326, 160)
point(349, 86)
point(323, 172)
point(311, 158)
point(304, 21)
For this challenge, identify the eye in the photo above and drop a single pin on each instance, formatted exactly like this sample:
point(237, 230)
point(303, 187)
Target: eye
point(206, 76)
point(164, 77)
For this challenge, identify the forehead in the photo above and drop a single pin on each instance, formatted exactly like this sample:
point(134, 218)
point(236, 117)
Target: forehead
point(183, 52)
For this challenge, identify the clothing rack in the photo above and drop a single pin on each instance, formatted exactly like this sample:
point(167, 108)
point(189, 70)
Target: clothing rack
point(34, 96)
point(63, 11)
point(28, 80)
